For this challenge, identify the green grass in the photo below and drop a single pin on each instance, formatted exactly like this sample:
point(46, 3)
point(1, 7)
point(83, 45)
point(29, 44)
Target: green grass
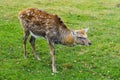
point(101, 61)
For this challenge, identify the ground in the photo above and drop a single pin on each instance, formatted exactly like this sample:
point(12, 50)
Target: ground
point(101, 61)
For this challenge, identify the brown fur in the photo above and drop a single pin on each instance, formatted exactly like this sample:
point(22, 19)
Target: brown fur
point(40, 23)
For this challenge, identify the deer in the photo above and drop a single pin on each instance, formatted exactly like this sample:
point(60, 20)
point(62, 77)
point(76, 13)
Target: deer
point(39, 23)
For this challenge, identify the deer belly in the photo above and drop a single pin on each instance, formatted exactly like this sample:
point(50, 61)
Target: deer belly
point(34, 35)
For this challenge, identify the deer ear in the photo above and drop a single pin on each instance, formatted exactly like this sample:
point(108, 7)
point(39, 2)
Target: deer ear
point(74, 33)
point(86, 30)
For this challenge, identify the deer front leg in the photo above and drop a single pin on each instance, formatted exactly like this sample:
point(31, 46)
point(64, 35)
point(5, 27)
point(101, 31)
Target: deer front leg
point(32, 41)
point(52, 52)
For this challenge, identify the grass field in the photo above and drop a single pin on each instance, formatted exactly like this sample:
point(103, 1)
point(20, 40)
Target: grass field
point(101, 61)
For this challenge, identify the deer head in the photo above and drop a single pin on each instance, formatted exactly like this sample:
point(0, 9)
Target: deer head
point(80, 37)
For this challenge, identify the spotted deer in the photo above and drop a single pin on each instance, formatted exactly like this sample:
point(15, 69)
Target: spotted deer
point(38, 23)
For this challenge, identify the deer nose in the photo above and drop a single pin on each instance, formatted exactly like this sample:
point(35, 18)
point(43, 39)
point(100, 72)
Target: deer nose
point(90, 43)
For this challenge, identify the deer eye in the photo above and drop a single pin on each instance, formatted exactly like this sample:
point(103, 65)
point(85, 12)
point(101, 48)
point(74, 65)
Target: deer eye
point(81, 38)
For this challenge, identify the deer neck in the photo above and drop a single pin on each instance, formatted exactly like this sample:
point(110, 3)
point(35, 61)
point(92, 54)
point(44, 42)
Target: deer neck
point(69, 38)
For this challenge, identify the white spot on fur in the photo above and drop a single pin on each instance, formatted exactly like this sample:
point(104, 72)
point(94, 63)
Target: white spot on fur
point(28, 11)
point(54, 33)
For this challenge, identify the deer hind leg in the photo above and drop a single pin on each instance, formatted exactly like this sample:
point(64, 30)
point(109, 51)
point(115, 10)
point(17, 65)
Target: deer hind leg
point(32, 42)
point(26, 35)
point(52, 52)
